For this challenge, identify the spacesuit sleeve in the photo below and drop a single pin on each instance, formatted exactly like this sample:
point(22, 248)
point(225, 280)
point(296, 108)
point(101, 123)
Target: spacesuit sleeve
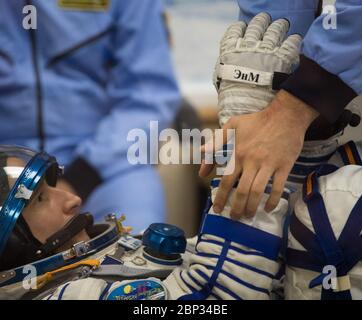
point(329, 75)
point(300, 13)
point(141, 88)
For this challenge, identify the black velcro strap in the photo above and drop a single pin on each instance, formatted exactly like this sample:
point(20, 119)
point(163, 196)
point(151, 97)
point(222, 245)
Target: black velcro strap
point(278, 79)
point(321, 129)
point(72, 228)
point(323, 91)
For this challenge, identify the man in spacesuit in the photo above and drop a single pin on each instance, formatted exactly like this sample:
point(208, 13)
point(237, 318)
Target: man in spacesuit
point(42, 231)
point(232, 259)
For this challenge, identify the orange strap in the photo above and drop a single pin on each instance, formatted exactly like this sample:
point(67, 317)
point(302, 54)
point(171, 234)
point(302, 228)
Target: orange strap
point(349, 153)
point(47, 277)
point(309, 184)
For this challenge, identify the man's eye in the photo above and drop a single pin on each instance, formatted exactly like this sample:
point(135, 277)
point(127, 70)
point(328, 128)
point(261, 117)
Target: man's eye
point(40, 197)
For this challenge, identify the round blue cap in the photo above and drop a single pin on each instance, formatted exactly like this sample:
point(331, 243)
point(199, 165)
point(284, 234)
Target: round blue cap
point(165, 239)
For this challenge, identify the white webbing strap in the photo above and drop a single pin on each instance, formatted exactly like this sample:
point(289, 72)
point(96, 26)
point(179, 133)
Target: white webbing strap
point(244, 75)
point(342, 283)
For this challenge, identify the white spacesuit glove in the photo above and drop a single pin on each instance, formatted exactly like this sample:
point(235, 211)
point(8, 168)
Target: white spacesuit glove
point(234, 259)
point(253, 62)
point(324, 241)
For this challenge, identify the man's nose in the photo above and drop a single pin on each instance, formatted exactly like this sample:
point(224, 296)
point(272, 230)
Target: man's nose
point(71, 203)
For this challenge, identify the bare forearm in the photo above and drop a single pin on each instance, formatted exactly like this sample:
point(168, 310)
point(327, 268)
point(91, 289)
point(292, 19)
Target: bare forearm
point(296, 111)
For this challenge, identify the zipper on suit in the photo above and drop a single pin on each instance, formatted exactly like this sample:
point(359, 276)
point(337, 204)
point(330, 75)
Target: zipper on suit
point(38, 87)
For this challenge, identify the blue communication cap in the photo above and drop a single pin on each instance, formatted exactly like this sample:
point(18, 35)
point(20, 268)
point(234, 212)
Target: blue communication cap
point(21, 171)
point(164, 238)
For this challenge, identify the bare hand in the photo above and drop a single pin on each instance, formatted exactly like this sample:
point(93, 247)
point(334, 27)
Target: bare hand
point(267, 144)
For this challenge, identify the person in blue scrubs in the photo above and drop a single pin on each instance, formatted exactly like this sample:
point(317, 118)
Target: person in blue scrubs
point(77, 84)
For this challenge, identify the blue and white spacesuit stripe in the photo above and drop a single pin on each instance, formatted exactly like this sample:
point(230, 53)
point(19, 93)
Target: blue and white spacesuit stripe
point(63, 290)
point(230, 253)
point(306, 165)
point(220, 266)
point(323, 248)
point(349, 154)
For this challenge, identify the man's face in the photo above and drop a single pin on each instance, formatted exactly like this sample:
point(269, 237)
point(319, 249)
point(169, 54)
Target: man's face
point(50, 210)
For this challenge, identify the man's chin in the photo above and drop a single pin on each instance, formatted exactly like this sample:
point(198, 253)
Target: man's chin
point(81, 236)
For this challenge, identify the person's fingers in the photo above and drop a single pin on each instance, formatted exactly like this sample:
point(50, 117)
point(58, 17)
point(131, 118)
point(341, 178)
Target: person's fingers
point(220, 139)
point(257, 27)
point(275, 34)
point(207, 163)
point(213, 145)
point(205, 169)
point(280, 177)
point(257, 190)
point(226, 184)
point(241, 193)
point(290, 48)
point(231, 36)
point(217, 141)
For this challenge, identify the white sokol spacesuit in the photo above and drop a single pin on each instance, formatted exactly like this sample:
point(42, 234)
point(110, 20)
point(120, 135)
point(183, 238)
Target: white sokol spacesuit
point(324, 240)
point(230, 259)
point(114, 265)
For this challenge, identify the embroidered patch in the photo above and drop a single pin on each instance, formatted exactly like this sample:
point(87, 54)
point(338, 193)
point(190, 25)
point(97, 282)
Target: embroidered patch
point(138, 290)
point(85, 5)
